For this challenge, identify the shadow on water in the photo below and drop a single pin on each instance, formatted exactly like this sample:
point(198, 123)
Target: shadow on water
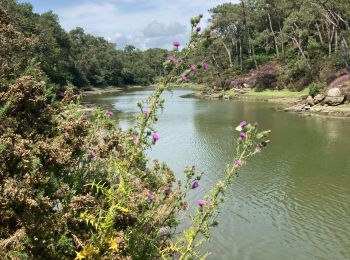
point(292, 201)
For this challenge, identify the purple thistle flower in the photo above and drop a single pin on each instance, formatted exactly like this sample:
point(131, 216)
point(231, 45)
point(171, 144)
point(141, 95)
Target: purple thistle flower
point(109, 113)
point(164, 230)
point(205, 66)
point(239, 163)
point(150, 196)
point(176, 44)
point(198, 28)
point(242, 135)
point(135, 138)
point(201, 203)
point(92, 154)
point(184, 78)
point(171, 58)
point(193, 68)
point(195, 185)
point(155, 137)
point(243, 123)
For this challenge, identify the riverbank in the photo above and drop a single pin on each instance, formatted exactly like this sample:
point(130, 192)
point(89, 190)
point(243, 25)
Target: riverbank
point(281, 97)
point(100, 91)
point(294, 102)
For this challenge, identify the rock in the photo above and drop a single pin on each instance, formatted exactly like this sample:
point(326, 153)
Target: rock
point(245, 85)
point(227, 97)
point(307, 107)
point(334, 92)
point(334, 101)
point(319, 98)
point(310, 101)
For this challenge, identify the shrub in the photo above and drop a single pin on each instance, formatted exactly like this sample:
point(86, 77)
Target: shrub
point(265, 81)
point(315, 89)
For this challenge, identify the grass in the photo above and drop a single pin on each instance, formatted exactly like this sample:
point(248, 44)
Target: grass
point(284, 93)
point(193, 86)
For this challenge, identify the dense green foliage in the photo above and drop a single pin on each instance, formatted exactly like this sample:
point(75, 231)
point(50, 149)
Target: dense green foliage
point(304, 41)
point(80, 58)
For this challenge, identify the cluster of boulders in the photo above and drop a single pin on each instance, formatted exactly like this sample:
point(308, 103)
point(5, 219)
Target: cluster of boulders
point(332, 97)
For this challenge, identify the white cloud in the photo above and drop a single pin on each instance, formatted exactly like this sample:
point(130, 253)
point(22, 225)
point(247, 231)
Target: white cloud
point(145, 24)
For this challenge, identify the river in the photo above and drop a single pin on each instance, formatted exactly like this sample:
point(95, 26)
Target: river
point(290, 202)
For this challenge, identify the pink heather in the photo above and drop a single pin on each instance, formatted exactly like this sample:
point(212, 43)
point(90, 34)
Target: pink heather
point(193, 68)
point(109, 113)
point(205, 66)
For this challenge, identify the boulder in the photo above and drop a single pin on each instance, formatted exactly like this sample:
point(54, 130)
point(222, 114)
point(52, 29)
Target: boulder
point(334, 101)
point(310, 101)
point(334, 92)
point(319, 98)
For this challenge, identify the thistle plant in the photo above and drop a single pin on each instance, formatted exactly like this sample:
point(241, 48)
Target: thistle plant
point(140, 205)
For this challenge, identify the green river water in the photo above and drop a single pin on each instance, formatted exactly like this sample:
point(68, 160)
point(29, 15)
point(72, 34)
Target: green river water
point(290, 202)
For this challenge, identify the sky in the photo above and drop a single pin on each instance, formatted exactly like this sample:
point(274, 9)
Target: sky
point(144, 24)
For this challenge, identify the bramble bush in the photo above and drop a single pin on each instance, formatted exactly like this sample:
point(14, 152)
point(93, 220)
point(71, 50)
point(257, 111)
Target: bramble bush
point(79, 187)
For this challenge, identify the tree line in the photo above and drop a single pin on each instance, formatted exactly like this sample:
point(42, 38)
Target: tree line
point(308, 40)
point(80, 58)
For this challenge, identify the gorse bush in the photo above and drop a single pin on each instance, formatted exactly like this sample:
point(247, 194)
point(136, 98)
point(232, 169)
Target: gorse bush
point(79, 187)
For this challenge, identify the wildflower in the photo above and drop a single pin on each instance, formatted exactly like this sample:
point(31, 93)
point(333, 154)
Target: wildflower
point(92, 154)
point(136, 182)
point(201, 203)
point(150, 196)
point(198, 28)
point(184, 78)
point(145, 112)
point(109, 113)
point(164, 230)
point(155, 137)
point(135, 138)
point(195, 185)
point(243, 123)
point(242, 135)
point(176, 44)
point(205, 66)
point(171, 58)
point(258, 149)
point(193, 68)
point(239, 163)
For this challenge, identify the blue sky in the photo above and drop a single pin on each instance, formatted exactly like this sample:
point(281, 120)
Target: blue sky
point(145, 24)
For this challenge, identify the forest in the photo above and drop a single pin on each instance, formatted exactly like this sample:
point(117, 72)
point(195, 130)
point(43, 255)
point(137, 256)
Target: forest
point(80, 58)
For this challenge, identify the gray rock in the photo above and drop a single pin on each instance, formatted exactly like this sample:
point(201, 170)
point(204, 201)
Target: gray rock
point(334, 92)
point(310, 101)
point(334, 101)
point(319, 98)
